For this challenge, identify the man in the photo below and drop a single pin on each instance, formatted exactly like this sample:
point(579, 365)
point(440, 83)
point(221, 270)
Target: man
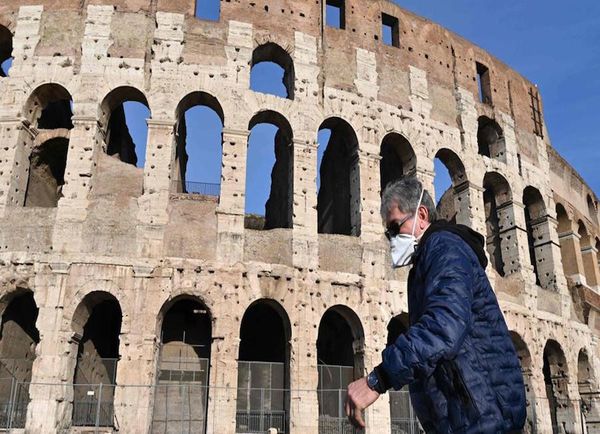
point(457, 356)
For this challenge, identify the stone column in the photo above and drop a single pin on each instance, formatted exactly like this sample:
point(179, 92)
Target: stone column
point(547, 254)
point(570, 249)
point(230, 212)
point(305, 242)
point(468, 201)
point(136, 371)
point(51, 391)
point(371, 227)
point(378, 414)
point(541, 407)
point(589, 257)
point(79, 175)
point(153, 204)
point(304, 403)
point(514, 242)
point(16, 137)
point(222, 395)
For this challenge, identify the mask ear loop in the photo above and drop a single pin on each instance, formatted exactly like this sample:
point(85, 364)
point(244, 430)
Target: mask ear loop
point(417, 212)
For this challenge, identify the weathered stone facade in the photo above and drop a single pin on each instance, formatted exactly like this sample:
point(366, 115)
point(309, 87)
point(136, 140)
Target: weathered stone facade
point(117, 233)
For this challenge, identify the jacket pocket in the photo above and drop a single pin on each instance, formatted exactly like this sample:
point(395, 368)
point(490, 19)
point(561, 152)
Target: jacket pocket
point(462, 391)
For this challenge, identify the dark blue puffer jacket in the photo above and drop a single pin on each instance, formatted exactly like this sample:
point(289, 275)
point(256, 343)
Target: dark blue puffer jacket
point(457, 356)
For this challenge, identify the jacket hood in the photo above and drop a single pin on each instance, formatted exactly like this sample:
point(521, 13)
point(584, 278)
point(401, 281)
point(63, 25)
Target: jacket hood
point(473, 238)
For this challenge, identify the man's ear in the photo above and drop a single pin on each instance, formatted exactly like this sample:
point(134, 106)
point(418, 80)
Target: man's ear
point(423, 215)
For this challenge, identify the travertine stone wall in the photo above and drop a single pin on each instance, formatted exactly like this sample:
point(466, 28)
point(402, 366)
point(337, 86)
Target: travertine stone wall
point(124, 231)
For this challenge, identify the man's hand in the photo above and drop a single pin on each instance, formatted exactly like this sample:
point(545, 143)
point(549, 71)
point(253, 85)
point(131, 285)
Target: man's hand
point(359, 397)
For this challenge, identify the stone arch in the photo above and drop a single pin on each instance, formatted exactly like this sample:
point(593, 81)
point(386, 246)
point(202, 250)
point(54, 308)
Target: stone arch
point(338, 199)
point(272, 52)
point(189, 160)
point(184, 362)
point(49, 107)
point(497, 199)
point(588, 254)
point(111, 117)
point(490, 139)
point(449, 204)
point(556, 379)
point(526, 368)
point(592, 209)
point(96, 324)
point(536, 224)
point(6, 48)
point(47, 165)
point(279, 204)
point(340, 349)
point(263, 363)
point(19, 337)
point(587, 384)
point(398, 159)
point(563, 219)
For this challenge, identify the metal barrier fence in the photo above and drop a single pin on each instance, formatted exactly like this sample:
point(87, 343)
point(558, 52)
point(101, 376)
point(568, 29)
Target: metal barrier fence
point(203, 188)
point(178, 408)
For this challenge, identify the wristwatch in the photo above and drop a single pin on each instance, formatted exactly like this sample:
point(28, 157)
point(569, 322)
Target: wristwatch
point(373, 381)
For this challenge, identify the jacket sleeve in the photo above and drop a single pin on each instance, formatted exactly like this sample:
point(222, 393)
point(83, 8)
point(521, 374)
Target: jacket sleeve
point(446, 318)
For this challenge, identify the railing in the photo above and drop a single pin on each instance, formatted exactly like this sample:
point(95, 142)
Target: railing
point(202, 188)
point(403, 418)
point(93, 405)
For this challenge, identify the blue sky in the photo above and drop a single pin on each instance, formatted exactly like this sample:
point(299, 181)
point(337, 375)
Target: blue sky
point(554, 44)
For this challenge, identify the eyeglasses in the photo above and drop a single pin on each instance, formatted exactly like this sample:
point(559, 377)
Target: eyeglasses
point(394, 227)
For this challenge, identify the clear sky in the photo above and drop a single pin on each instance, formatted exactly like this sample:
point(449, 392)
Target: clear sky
point(554, 44)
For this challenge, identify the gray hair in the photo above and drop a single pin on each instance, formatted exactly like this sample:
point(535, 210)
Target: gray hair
point(404, 194)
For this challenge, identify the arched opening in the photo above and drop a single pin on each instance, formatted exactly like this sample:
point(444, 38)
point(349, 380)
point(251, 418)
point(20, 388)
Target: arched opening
point(535, 220)
point(592, 209)
point(263, 369)
point(50, 107)
point(525, 360)
point(270, 150)
point(557, 393)
point(340, 361)
point(272, 71)
point(402, 416)
point(123, 115)
point(97, 325)
point(588, 392)
point(564, 229)
point(490, 139)
point(199, 145)
point(497, 196)
point(338, 179)
point(397, 159)
point(449, 183)
point(18, 340)
point(47, 164)
point(588, 256)
point(6, 47)
point(181, 396)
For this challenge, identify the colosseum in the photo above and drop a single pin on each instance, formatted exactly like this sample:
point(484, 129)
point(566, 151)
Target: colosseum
point(138, 300)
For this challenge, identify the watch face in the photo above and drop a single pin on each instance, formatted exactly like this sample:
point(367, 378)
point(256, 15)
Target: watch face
point(372, 380)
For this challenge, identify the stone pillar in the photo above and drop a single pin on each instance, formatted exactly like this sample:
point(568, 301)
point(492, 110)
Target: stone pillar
point(547, 254)
point(136, 372)
point(514, 242)
point(467, 113)
point(14, 161)
point(370, 200)
point(304, 404)
point(51, 391)
point(589, 257)
point(468, 201)
point(541, 408)
point(570, 249)
point(305, 242)
point(153, 213)
point(378, 414)
point(230, 212)
point(79, 175)
point(222, 395)
point(419, 92)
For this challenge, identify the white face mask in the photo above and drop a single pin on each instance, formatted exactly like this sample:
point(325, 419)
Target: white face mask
point(403, 245)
